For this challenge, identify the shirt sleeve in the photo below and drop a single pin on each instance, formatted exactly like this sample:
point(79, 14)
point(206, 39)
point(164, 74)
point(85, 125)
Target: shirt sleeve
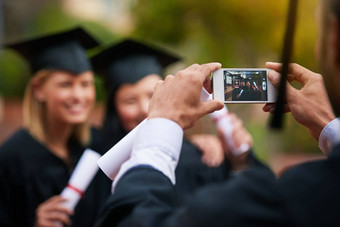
point(330, 136)
point(158, 144)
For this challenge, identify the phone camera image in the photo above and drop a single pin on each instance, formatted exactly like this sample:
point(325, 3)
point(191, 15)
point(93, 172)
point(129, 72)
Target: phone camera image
point(245, 85)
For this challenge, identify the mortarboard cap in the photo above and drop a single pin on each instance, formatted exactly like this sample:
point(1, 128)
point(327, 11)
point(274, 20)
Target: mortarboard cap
point(129, 61)
point(61, 51)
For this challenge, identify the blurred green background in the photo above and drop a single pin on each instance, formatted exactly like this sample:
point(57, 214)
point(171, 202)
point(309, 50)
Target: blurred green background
point(236, 33)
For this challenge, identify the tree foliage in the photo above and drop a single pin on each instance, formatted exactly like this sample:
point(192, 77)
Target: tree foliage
point(236, 33)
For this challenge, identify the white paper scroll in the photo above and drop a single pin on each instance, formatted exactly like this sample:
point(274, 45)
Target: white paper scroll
point(112, 160)
point(223, 123)
point(80, 179)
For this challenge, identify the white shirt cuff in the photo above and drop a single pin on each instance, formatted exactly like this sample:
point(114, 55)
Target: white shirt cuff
point(330, 136)
point(158, 144)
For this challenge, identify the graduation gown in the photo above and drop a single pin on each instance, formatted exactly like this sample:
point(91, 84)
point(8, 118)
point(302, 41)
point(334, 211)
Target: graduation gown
point(30, 174)
point(191, 172)
point(307, 195)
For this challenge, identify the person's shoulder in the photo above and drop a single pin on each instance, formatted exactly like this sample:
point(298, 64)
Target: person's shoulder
point(16, 153)
point(315, 185)
point(251, 181)
point(310, 175)
point(16, 143)
point(250, 195)
point(314, 168)
point(22, 148)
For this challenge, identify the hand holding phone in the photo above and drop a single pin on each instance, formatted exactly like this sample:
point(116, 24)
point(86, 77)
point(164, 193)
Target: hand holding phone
point(243, 85)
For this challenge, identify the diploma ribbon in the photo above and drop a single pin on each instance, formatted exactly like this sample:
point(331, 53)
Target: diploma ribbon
point(80, 192)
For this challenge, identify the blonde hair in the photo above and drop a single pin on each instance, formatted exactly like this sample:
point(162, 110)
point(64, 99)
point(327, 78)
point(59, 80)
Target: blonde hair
point(34, 114)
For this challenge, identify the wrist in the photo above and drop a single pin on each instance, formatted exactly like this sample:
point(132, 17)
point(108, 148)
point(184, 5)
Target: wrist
point(157, 144)
point(169, 116)
point(321, 124)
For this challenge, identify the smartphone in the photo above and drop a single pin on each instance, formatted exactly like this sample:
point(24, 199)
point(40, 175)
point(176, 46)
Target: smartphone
point(243, 85)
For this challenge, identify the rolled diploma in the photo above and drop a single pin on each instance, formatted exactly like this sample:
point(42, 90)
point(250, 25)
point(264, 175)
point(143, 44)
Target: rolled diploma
point(80, 179)
point(111, 161)
point(223, 123)
point(255, 84)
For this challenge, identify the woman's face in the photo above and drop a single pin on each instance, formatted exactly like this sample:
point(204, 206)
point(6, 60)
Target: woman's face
point(69, 98)
point(132, 101)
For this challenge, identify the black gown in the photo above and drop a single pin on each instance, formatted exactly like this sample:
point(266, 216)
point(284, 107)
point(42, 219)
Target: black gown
point(191, 173)
point(307, 195)
point(30, 174)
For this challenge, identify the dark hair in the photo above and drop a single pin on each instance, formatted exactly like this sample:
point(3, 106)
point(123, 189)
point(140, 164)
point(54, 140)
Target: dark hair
point(334, 6)
point(112, 130)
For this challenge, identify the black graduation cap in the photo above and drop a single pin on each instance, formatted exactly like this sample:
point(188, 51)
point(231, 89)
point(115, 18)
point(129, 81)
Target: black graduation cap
point(62, 51)
point(129, 61)
point(276, 121)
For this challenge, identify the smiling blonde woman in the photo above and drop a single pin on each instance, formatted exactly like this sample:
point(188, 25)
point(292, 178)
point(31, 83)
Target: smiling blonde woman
point(37, 161)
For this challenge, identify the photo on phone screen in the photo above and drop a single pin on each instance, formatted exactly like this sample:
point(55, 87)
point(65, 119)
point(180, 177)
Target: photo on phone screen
point(243, 86)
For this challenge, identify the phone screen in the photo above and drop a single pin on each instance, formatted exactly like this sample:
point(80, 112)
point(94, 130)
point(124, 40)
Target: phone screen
point(245, 85)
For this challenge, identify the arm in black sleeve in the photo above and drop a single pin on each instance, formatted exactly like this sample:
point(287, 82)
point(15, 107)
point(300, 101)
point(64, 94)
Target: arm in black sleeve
point(145, 197)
